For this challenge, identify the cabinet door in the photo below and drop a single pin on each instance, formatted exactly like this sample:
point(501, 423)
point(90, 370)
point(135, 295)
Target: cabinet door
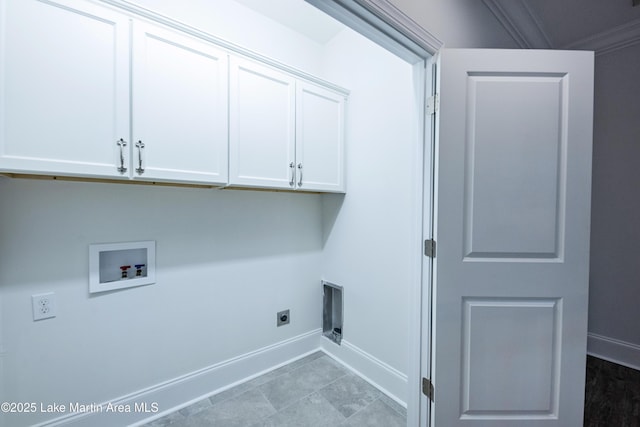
point(319, 139)
point(65, 88)
point(262, 126)
point(180, 114)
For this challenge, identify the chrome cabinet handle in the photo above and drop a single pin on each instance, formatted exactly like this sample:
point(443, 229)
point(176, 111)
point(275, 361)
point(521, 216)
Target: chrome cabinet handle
point(140, 146)
point(300, 178)
point(121, 143)
point(293, 174)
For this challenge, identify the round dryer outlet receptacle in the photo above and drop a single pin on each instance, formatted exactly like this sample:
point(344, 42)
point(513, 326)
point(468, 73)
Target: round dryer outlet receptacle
point(283, 318)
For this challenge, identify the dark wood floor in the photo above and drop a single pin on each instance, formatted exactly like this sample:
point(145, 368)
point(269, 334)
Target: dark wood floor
point(612, 397)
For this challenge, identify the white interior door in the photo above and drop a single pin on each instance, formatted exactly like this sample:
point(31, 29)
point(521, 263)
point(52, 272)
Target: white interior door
point(512, 217)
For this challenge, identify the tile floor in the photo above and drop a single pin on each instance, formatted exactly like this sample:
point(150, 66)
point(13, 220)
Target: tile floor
point(313, 391)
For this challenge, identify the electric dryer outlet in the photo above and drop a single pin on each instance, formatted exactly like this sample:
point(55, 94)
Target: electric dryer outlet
point(283, 318)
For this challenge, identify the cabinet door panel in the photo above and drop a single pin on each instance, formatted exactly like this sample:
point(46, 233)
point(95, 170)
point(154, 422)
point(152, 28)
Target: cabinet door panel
point(262, 132)
point(65, 88)
point(180, 89)
point(320, 139)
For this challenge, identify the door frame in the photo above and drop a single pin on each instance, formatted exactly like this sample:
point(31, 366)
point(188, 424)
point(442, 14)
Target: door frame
point(392, 29)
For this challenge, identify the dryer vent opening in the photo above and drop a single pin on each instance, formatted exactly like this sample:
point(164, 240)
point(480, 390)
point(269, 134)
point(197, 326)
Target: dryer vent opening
point(332, 312)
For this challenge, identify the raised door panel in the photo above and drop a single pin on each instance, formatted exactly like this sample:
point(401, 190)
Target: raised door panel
point(319, 139)
point(514, 199)
point(180, 92)
point(262, 126)
point(65, 88)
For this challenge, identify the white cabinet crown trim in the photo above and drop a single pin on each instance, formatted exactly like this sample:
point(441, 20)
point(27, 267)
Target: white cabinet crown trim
point(141, 12)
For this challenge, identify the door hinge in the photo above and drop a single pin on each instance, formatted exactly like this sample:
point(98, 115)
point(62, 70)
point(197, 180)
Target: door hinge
point(433, 104)
point(430, 248)
point(427, 388)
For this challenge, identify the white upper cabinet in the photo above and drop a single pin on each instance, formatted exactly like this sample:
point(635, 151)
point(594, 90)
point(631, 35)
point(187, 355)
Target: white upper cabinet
point(262, 126)
point(98, 92)
point(285, 132)
point(319, 139)
point(64, 86)
point(180, 93)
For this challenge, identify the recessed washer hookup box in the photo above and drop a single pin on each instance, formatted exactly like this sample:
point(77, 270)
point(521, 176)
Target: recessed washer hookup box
point(121, 265)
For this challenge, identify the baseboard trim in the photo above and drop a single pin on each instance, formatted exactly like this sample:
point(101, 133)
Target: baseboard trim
point(185, 390)
point(613, 350)
point(384, 377)
point(190, 388)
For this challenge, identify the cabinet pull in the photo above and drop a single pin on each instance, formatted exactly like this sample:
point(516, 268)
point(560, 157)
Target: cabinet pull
point(140, 146)
point(300, 178)
point(121, 143)
point(293, 174)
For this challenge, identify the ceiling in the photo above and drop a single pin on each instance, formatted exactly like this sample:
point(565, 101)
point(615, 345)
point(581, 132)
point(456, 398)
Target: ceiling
point(298, 16)
point(600, 25)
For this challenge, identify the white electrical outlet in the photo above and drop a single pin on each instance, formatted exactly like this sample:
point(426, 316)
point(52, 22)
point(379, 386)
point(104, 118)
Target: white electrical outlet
point(44, 306)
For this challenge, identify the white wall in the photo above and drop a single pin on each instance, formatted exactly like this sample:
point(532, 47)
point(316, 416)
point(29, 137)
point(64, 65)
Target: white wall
point(615, 232)
point(370, 233)
point(458, 23)
point(227, 261)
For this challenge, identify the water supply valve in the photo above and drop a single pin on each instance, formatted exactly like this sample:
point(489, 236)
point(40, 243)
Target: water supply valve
point(139, 269)
point(125, 273)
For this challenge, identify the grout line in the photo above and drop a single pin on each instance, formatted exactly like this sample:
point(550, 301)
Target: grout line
point(395, 407)
point(270, 404)
point(314, 391)
point(284, 372)
point(363, 408)
point(304, 397)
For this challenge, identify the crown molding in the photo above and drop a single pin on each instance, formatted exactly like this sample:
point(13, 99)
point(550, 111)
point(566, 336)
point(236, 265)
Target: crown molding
point(385, 24)
point(526, 29)
point(393, 16)
point(521, 23)
point(608, 41)
point(136, 10)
